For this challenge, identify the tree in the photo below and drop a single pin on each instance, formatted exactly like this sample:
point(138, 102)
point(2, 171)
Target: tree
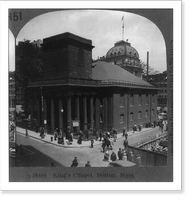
point(151, 71)
point(29, 67)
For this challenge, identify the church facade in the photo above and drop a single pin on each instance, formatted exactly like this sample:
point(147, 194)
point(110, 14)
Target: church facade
point(77, 94)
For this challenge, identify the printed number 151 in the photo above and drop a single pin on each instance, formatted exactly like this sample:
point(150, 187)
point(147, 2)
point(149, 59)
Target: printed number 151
point(15, 16)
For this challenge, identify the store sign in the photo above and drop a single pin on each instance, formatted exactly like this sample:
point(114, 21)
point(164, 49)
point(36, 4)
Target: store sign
point(76, 123)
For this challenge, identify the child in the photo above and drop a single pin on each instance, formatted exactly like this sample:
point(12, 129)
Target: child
point(92, 143)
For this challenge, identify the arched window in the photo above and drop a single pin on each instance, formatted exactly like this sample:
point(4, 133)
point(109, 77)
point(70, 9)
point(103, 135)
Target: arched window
point(80, 57)
point(122, 118)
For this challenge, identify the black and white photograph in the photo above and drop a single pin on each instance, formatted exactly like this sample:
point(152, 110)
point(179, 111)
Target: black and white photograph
point(90, 94)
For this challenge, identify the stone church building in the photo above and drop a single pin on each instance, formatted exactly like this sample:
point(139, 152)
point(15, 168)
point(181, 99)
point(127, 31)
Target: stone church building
point(77, 94)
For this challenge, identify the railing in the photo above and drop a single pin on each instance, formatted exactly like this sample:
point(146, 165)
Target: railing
point(149, 158)
point(149, 140)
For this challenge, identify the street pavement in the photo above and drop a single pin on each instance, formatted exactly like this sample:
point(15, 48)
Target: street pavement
point(43, 152)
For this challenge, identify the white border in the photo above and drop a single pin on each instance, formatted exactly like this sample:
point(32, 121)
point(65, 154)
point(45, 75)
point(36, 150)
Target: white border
point(5, 185)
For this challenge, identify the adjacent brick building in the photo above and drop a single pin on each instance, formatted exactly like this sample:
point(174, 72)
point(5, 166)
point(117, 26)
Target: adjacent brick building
point(78, 94)
point(160, 82)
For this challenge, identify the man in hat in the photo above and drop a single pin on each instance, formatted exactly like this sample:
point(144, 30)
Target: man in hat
point(88, 164)
point(74, 162)
point(119, 154)
point(113, 156)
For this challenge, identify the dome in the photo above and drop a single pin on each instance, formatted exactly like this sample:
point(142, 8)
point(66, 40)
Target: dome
point(122, 48)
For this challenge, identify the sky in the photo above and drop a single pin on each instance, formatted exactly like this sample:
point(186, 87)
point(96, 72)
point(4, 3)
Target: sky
point(104, 28)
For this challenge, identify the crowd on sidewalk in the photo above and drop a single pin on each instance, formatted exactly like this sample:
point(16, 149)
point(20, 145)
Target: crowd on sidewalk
point(106, 138)
point(109, 155)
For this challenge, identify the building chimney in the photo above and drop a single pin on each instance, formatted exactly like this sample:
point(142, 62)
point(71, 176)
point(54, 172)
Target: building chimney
point(147, 66)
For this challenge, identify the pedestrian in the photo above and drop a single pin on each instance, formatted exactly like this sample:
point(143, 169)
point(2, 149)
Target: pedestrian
point(100, 135)
point(97, 135)
point(126, 134)
point(55, 134)
point(92, 143)
point(52, 164)
point(106, 156)
point(36, 127)
point(124, 130)
point(111, 143)
point(125, 143)
point(139, 127)
point(63, 134)
point(74, 162)
point(60, 135)
point(124, 155)
point(113, 156)
point(42, 133)
point(132, 157)
point(138, 160)
point(88, 164)
point(108, 134)
point(103, 144)
point(80, 137)
point(27, 133)
point(108, 144)
point(114, 135)
point(119, 153)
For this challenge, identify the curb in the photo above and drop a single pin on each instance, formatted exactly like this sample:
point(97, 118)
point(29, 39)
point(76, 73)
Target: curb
point(64, 146)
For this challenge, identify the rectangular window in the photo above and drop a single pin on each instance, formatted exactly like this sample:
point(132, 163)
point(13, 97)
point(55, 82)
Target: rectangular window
point(131, 116)
point(153, 99)
point(152, 112)
point(147, 99)
point(139, 99)
point(121, 100)
point(101, 118)
point(146, 113)
point(139, 115)
point(131, 100)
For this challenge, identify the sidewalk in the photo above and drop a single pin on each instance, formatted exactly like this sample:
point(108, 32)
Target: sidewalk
point(47, 138)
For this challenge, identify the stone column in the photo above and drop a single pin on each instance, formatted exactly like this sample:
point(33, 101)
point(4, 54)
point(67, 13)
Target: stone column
point(52, 116)
point(32, 112)
point(45, 113)
point(91, 113)
point(38, 112)
point(60, 114)
point(109, 113)
point(77, 111)
point(105, 113)
point(85, 112)
point(69, 116)
point(97, 114)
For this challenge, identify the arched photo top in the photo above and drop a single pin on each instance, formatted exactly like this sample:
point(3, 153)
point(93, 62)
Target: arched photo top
point(103, 27)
